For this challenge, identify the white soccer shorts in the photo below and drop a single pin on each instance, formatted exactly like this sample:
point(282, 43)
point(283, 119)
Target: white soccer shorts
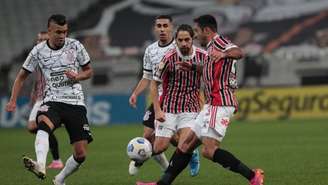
point(174, 122)
point(35, 110)
point(213, 121)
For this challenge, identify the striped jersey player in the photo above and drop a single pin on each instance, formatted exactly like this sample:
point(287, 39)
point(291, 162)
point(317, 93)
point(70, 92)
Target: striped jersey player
point(220, 76)
point(180, 88)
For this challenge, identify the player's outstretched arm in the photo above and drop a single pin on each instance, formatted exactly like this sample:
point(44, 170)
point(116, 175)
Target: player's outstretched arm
point(159, 114)
point(18, 84)
point(234, 53)
point(142, 85)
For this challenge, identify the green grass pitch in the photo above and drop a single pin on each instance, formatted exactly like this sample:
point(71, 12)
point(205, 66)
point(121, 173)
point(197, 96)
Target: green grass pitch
point(290, 152)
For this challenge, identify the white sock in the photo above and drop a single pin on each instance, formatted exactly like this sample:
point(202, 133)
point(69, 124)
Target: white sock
point(41, 148)
point(161, 160)
point(70, 167)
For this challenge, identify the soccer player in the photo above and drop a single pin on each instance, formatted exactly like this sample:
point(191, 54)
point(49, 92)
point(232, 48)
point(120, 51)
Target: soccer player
point(163, 28)
point(180, 102)
point(36, 100)
point(219, 78)
point(64, 62)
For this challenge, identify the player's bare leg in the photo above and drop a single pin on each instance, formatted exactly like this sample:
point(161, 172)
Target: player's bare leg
point(73, 162)
point(180, 159)
point(161, 159)
point(32, 127)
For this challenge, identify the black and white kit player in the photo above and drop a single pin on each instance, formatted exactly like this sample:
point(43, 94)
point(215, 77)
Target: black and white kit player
point(63, 62)
point(163, 29)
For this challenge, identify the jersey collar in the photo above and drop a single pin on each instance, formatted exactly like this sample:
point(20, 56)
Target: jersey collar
point(189, 57)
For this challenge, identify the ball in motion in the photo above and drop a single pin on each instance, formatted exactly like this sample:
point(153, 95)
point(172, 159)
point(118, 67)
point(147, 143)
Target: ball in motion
point(139, 149)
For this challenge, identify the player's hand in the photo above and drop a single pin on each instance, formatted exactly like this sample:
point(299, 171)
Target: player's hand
point(11, 106)
point(186, 66)
point(217, 55)
point(160, 116)
point(71, 75)
point(133, 100)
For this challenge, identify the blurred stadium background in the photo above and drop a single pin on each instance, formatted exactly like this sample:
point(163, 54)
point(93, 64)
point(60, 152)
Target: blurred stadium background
point(283, 83)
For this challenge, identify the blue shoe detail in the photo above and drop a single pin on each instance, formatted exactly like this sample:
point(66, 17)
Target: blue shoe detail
point(194, 163)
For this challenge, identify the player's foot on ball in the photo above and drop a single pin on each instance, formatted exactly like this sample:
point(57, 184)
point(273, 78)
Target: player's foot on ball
point(133, 168)
point(258, 179)
point(194, 163)
point(34, 167)
point(56, 165)
point(146, 183)
point(56, 182)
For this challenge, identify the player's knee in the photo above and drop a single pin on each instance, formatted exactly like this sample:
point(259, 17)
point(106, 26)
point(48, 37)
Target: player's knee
point(32, 127)
point(183, 149)
point(159, 148)
point(43, 126)
point(149, 136)
point(80, 154)
point(206, 152)
point(175, 140)
point(79, 158)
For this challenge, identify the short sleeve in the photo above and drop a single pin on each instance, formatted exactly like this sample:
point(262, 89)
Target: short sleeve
point(82, 55)
point(162, 70)
point(31, 62)
point(223, 44)
point(147, 65)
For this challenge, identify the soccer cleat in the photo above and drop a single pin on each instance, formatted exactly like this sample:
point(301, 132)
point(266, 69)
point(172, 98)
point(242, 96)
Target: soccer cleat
point(194, 163)
point(34, 167)
point(133, 168)
point(56, 182)
point(258, 179)
point(56, 164)
point(146, 183)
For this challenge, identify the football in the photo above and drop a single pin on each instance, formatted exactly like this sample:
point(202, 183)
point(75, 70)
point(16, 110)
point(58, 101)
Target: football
point(139, 149)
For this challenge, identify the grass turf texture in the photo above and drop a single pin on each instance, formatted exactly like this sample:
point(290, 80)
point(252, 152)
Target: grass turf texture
point(290, 152)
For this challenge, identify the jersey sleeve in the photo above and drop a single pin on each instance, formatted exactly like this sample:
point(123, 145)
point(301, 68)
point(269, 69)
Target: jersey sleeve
point(31, 62)
point(147, 66)
point(162, 70)
point(223, 44)
point(82, 55)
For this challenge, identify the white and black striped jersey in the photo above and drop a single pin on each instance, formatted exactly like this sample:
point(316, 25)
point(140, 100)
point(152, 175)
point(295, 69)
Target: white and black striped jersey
point(53, 64)
point(153, 56)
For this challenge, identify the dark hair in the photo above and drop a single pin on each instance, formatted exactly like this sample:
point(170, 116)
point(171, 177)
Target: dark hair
point(206, 21)
point(185, 27)
point(164, 17)
point(58, 19)
point(43, 32)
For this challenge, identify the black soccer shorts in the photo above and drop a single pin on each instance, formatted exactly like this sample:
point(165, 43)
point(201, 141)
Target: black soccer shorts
point(149, 117)
point(74, 117)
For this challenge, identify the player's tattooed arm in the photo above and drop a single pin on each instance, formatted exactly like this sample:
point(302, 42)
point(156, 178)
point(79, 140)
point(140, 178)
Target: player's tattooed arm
point(18, 84)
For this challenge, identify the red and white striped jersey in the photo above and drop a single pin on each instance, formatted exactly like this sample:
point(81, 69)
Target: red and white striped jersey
point(220, 76)
point(181, 88)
